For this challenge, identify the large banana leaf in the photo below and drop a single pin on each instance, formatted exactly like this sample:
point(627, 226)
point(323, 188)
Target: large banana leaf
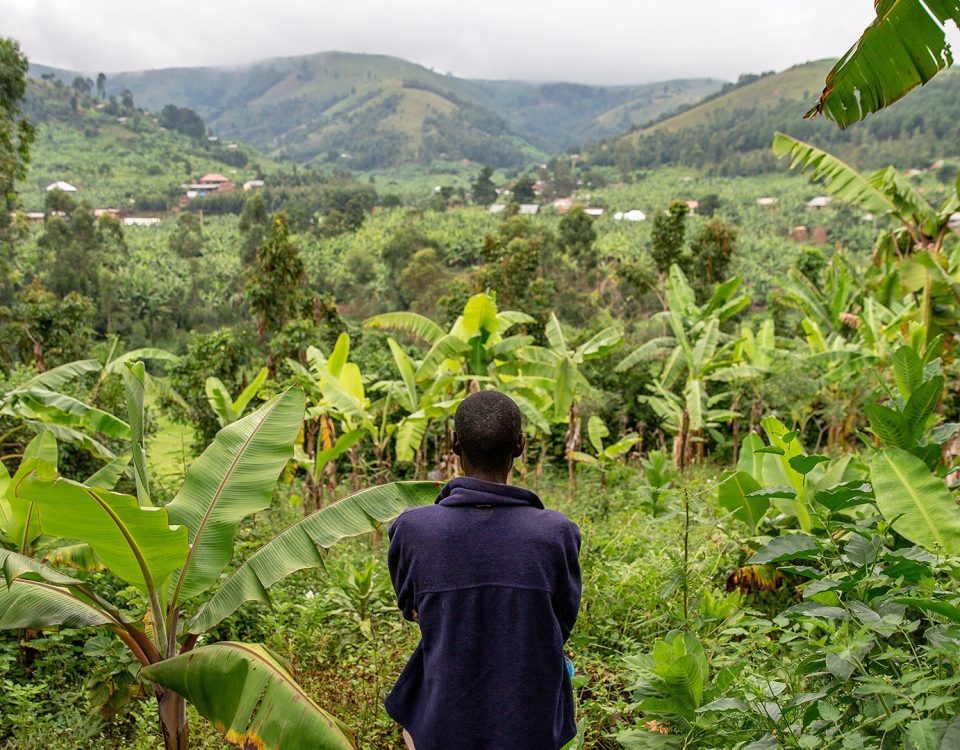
point(555, 335)
point(248, 693)
point(408, 322)
point(233, 478)
point(924, 509)
point(600, 344)
point(480, 316)
point(734, 495)
point(53, 379)
point(298, 547)
point(68, 411)
point(446, 347)
point(405, 366)
point(903, 48)
point(34, 595)
point(838, 178)
point(137, 544)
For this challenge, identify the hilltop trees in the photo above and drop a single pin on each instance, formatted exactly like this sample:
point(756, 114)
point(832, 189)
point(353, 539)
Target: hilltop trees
point(181, 119)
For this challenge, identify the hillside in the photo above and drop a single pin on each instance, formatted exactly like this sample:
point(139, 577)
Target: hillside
point(117, 156)
point(732, 132)
point(374, 111)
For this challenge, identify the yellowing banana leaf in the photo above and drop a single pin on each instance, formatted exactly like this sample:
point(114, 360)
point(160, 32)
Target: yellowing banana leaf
point(233, 478)
point(298, 547)
point(137, 544)
point(903, 48)
point(251, 696)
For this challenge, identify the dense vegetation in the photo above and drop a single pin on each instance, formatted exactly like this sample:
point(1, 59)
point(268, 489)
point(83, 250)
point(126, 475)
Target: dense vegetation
point(757, 435)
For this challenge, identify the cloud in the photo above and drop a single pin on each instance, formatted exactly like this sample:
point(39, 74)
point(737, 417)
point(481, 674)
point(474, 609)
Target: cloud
point(607, 41)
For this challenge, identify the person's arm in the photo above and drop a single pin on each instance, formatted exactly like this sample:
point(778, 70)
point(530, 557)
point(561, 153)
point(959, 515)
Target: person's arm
point(399, 564)
point(566, 597)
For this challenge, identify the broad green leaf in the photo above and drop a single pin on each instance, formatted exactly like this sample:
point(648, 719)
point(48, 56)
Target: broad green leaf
point(843, 496)
point(597, 431)
point(838, 178)
point(108, 475)
point(138, 544)
point(907, 371)
point(733, 496)
point(339, 355)
point(15, 566)
point(67, 411)
point(600, 344)
point(298, 547)
point(246, 691)
point(447, 347)
point(405, 366)
point(695, 403)
point(409, 436)
point(749, 461)
point(220, 400)
point(246, 395)
point(555, 336)
point(785, 548)
point(20, 517)
point(58, 376)
point(931, 605)
point(480, 316)
point(805, 464)
point(408, 322)
point(680, 295)
point(564, 389)
point(903, 48)
point(344, 443)
point(37, 604)
point(621, 446)
point(921, 734)
point(706, 346)
point(233, 478)
point(921, 405)
point(889, 426)
point(650, 350)
point(926, 511)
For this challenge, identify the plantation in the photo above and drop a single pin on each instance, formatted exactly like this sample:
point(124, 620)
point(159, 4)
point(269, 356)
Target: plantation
point(207, 426)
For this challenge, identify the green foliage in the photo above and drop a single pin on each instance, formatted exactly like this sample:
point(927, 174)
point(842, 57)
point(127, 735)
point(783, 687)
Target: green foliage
point(669, 234)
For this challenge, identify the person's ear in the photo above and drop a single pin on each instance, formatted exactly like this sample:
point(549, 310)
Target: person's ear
point(521, 444)
point(455, 444)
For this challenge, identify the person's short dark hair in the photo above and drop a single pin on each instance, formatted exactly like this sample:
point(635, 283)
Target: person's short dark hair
point(488, 425)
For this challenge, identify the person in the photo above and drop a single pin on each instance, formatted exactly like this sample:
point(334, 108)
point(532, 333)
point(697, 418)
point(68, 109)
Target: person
point(493, 579)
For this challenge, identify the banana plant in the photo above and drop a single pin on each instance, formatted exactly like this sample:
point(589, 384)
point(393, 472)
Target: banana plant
point(912, 252)
point(604, 456)
point(692, 357)
point(173, 554)
point(557, 369)
point(337, 394)
point(229, 409)
point(475, 343)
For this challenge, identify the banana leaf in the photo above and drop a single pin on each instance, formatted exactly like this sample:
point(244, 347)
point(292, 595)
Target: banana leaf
point(298, 547)
point(233, 478)
point(249, 693)
point(903, 48)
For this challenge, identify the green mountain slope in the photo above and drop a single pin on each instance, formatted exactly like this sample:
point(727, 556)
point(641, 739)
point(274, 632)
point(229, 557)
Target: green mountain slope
point(374, 111)
point(117, 157)
point(732, 132)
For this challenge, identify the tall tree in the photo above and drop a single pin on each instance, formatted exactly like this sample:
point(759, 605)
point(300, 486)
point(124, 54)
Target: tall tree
point(276, 288)
point(577, 237)
point(101, 85)
point(669, 234)
point(483, 191)
point(16, 135)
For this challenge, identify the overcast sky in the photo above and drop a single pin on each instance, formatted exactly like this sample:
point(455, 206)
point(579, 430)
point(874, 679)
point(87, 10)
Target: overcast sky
point(600, 41)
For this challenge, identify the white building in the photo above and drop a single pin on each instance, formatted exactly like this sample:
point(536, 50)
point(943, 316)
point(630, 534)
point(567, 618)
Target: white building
point(61, 185)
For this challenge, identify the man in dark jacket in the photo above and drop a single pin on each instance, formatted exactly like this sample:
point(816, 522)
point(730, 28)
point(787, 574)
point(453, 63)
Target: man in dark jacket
point(494, 581)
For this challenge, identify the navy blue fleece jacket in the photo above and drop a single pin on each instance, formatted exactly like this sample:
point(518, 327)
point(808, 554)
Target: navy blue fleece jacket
point(495, 581)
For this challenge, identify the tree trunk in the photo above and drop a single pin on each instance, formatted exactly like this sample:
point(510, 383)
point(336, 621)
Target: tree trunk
point(355, 483)
point(681, 443)
point(173, 719)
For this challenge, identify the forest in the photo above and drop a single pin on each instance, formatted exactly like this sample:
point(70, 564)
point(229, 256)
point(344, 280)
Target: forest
point(208, 423)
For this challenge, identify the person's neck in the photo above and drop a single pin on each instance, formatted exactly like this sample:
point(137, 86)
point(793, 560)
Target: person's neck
point(497, 477)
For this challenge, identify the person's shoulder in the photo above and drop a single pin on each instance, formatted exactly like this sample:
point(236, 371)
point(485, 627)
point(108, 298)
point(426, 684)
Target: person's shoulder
point(411, 518)
point(558, 524)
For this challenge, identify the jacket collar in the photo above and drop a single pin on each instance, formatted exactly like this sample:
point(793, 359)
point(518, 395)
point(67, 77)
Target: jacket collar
point(467, 491)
